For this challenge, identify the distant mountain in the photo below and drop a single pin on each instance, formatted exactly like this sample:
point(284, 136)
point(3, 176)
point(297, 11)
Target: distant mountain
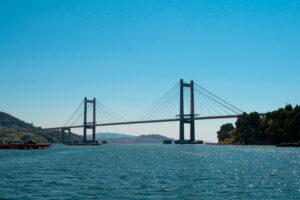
point(113, 135)
point(153, 138)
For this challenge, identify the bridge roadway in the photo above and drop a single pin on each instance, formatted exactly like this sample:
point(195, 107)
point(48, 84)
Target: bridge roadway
point(151, 121)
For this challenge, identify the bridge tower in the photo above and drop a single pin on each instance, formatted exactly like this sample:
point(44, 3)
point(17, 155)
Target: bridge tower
point(186, 118)
point(89, 125)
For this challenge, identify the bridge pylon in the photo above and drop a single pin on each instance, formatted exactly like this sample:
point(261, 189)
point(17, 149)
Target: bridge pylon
point(186, 118)
point(89, 125)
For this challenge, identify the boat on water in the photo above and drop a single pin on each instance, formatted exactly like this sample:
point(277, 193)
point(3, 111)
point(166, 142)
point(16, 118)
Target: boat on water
point(26, 145)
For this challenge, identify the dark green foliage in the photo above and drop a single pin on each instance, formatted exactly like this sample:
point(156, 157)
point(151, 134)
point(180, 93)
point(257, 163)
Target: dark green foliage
point(25, 138)
point(224, 131)
point(282, 125)
point(247, 127)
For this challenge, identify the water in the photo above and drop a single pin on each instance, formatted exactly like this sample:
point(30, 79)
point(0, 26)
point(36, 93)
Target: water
point(151, 172)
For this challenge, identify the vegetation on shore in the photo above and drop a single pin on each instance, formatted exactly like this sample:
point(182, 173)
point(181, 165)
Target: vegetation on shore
point(13, 129)
point(280, 126)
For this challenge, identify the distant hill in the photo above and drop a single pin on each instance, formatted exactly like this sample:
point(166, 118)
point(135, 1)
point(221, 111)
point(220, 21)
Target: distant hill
point(153, 138)
point(113, 135)
point(13, 129)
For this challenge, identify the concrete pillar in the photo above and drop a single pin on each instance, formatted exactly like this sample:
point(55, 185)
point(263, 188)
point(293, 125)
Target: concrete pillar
point(192, 121)
point(181, 115)
point(69, 135)
point(94, 119)
point(84, 120)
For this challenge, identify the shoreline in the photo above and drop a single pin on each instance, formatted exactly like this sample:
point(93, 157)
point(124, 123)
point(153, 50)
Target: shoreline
point(288, 144)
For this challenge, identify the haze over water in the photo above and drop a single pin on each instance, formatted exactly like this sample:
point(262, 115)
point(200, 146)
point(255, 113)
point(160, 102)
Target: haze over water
point(151, 172)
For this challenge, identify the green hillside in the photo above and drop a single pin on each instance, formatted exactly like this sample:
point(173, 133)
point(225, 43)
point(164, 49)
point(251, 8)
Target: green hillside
point(9, 122)
point(13, 129)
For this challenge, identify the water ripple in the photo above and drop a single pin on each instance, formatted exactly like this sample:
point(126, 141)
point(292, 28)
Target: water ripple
point(151, 172)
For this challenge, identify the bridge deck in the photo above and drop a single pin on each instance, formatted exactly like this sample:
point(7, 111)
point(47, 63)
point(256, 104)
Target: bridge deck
point(151, 121)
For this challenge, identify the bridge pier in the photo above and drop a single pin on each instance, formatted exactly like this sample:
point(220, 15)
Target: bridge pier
point(62, 135)
point(57, 134)
point(69, 135)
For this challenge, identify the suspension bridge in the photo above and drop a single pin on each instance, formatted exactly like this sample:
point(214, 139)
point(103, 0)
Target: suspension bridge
point(184, 102)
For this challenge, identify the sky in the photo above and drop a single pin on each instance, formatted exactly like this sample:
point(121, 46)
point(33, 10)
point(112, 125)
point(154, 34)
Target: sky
point(128, 53)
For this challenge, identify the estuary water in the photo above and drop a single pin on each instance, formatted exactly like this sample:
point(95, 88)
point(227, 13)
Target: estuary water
point(151, 172)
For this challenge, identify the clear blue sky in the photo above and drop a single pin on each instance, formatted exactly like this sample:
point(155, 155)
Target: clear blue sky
point(128, 53)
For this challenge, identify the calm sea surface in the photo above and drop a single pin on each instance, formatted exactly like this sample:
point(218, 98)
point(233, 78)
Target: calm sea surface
point(151, 172)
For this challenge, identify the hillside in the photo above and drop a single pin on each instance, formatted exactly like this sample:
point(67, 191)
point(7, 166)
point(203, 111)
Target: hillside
point(9, 122)
point(13, 129)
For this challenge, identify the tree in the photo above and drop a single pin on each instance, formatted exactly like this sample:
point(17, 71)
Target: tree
point(247, 127)
point(276, 127)
point(224, 131)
